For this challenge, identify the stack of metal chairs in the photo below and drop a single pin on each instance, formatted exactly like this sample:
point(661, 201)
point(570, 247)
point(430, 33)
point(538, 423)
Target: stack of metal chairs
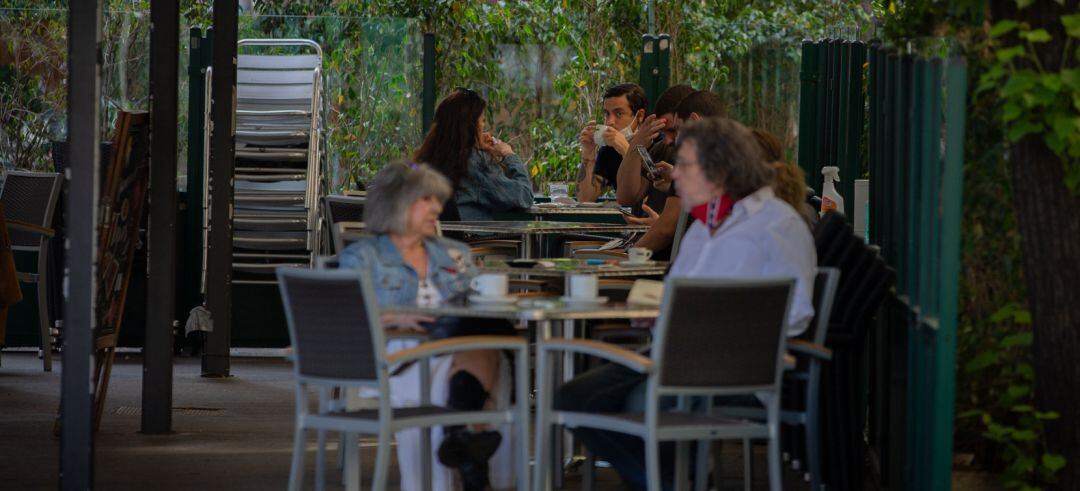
point(278, 157)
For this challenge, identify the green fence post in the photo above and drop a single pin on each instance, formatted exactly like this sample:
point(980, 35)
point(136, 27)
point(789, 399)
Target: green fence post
point(808, 108)
point(663, 68)
point(648, 71)
point(427, 108)
point(951, 215)
point(822, 114)
point(194, 195)
point(854, 166)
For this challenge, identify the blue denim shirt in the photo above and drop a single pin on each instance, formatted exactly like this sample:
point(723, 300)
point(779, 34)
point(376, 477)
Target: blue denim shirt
point(450, 268)
point(487, 188)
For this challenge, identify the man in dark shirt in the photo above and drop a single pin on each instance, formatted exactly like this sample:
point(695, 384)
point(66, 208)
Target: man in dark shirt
point(624, 106)
point(693, 107)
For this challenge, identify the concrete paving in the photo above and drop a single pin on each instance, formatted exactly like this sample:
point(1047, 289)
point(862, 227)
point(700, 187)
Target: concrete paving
point(233, 433)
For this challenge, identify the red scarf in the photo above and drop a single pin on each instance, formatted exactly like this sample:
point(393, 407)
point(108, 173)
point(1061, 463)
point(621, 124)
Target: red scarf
point(713, 213)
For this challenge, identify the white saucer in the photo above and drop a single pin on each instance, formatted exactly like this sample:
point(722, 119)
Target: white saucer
point(584, 301)
point(504, 300)
point(627, 262)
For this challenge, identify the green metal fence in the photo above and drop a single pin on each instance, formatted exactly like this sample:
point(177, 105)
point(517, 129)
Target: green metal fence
point(914, 109)
point(832, 112)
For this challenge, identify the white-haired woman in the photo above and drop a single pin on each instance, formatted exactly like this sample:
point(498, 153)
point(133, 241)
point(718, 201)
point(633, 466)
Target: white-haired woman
point(410, 264)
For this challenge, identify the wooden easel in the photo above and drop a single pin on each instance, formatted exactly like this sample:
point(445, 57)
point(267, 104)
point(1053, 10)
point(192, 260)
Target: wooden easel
point(120, 213)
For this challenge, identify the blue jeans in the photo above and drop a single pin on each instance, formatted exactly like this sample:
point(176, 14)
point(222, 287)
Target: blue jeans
point(605, 389)
point(613, 388)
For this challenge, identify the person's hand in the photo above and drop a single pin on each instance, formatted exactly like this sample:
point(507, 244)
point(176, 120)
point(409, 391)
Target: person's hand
point(648, 131)
point(409, 322)
point(615, 139)
point(649, 219)
point(497, 148)
point(663, 182)
point(588, 143)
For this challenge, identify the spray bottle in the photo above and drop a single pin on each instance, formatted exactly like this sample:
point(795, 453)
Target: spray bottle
point(830, 197)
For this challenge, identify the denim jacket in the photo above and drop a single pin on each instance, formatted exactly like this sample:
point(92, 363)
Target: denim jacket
point(450, 268)
point(486, 188)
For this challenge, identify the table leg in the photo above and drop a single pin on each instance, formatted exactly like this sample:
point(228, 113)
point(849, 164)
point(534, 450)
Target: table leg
point(526, 246)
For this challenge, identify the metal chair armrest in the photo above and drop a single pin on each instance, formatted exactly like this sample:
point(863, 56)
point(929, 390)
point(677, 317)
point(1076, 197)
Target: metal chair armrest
point(610, 352)
point(455, 344)
point(30, 227)
point(804, 347)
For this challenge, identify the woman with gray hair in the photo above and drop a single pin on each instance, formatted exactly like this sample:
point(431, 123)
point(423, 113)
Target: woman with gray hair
point(410, 264)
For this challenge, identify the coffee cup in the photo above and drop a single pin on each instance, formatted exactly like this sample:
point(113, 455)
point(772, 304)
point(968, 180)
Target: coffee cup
point(638, 254)
point(584, 286)
point(490, 285)
point(598, 135)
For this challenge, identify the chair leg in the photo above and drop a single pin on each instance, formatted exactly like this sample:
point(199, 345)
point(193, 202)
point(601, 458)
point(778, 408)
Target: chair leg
point(748, 464)
point(352, 462)
point(682, 462)
point(296, 471)
point(541, 472)
point(43, 316)
point(652, 464)
point(701, 467)
point(382, 461)
point(320, 460)
point(588, 471)
point(774, 464)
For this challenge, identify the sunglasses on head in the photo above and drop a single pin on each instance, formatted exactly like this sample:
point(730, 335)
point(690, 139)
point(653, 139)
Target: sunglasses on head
point(466, 91)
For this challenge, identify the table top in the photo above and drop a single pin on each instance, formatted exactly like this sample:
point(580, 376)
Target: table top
point(651, 268)
point(531, 310)
point(574, 210)
point(538, 227)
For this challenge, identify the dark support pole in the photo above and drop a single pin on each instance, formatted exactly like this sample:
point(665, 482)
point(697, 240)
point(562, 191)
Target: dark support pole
point(215, 361)
point(84, 93)
point(160, 306)
point(428, 110)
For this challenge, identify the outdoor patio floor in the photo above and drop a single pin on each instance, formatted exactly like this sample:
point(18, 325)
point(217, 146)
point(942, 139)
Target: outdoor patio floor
point(233, 433)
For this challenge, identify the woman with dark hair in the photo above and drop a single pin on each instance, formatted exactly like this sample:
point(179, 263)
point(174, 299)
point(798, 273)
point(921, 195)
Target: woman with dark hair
point(485, 173)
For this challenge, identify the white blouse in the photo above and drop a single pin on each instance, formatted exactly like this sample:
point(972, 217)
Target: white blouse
point(762, 238)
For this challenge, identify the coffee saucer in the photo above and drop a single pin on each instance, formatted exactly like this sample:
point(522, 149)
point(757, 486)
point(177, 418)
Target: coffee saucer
point(584, 301)
point(503, 300)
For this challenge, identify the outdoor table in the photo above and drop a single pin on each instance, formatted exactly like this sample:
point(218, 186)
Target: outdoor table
point(542, 312)
point(606, 270)
point(531, 230)
point(567, 213)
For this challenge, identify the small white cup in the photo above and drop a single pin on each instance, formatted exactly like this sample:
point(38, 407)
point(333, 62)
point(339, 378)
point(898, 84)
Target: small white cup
point(490, 285)
point(559, 189)
point(638, 254)
point(598, 135)
point(584, 286)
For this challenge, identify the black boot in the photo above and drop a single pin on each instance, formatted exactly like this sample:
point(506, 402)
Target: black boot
point(466, 450)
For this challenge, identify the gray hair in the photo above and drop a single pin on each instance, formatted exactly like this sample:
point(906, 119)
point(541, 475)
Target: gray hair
point(729, 155)
point(395, 188)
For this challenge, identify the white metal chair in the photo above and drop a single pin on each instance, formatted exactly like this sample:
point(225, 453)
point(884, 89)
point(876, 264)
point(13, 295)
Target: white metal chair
point(713, 338)
point(29, 200)
point(338, 343)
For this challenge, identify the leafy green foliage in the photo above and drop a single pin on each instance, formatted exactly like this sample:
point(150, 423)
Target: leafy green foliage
point(1004, 412)
point(1035, 99)
point(995, 378)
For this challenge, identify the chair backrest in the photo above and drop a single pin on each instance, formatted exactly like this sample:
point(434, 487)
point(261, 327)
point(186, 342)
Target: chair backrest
point(722, 334)
point(616, 290)
point(30, 197)
point(333, 323)
point(344, 209)
point(824, 291)
point(345, 233)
